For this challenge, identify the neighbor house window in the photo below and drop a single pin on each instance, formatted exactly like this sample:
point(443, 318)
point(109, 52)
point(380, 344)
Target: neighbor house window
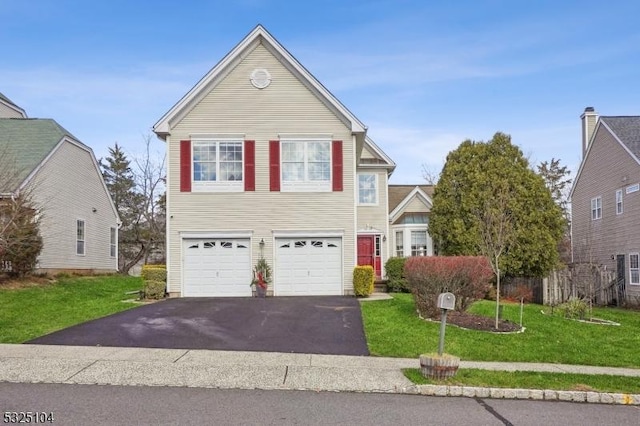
point(80, 237)
point(367, 188)
point(113, 242)
point(306, 165)
point(399, 243)
point(634, 268)
point(217, 164)
point(596, 208)
point(619, 201)
point(418, 243)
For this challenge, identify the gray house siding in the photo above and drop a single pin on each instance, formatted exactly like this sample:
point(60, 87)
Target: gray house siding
point(607, 168)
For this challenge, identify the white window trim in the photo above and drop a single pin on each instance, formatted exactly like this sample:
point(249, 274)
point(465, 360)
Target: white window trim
point(634, 269)
point(113, 244)
point(596, 208)
point(84, 237)
point(406, 238)
point(376, 189)
point(216, 186)
point(619, 202)
point(306, 185)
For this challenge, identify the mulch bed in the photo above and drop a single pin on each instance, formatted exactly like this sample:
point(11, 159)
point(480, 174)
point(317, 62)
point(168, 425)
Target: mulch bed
point(478, 322)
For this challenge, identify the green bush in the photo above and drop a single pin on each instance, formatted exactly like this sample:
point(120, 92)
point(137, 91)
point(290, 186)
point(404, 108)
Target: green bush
point(574, 308)
point(395, 274)
point(154, 273)
point(363, 279)
point(154, 289)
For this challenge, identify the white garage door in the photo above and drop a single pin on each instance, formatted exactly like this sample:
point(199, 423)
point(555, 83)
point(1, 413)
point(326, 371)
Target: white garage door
point(308, 266)
point(216, 267)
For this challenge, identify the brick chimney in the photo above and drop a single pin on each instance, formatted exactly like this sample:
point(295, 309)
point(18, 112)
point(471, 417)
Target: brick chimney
point(589, 118)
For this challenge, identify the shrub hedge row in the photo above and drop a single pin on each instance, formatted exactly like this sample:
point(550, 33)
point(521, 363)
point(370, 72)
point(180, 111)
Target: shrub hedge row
point(154, 278)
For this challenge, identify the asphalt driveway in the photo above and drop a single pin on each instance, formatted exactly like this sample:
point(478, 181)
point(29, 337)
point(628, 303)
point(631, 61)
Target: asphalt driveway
point(318, 324)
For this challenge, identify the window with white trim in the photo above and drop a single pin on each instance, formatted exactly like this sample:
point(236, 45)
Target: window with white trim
point(399, 243)
point(634, 268)
point(596, 208)
point(218, 165)
point(113, 237)
point(619, 207)
point(418, 243)
point(80, 237)
point(305, 165)
point(367, 189)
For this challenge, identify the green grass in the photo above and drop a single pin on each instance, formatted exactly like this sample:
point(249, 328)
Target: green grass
point(27, 313)
point(393, 329)
point(532, 380)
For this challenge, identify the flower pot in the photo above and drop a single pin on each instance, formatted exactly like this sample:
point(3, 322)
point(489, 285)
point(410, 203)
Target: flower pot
point(439, 367)
point(261, 292)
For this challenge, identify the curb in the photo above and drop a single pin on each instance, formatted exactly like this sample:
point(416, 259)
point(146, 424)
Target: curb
point(532, 394)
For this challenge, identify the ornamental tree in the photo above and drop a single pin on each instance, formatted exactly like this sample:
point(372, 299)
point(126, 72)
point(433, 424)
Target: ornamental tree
point(486, 185)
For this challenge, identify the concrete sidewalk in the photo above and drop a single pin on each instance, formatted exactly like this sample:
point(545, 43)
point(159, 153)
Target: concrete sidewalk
point(264, 370)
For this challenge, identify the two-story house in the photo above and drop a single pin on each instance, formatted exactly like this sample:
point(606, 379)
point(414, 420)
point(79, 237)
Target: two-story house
point(605, 199)
point(263, 161)
point(78, 220)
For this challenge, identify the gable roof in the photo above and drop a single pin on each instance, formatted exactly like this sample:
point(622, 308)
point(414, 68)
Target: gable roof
point(400, 193)
point(624, 129)
point(380, 158)
point(28, 142)
point(258, 35)
point(627, 129)
point(8, 102)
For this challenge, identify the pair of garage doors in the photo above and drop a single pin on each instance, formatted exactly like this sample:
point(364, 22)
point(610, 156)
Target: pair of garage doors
point(221, 267)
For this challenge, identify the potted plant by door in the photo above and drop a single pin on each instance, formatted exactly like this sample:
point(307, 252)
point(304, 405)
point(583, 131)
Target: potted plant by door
point(261, 277)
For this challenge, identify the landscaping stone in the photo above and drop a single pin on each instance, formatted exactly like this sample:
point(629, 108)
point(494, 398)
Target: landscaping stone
point(607, 398)
point(579, 396)
point(455, 391)
point(496, 393)
point(440, 390)
point(536, 394)
point(483, 392)
point(469, 392)
point(593, 397)
point(523, 393)
point(565, 396)
point(550, 395)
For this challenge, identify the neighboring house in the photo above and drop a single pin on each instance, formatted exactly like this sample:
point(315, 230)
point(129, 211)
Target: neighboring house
point(264, 161)
point(78, 220)
point(409, 208)
point(605, 199)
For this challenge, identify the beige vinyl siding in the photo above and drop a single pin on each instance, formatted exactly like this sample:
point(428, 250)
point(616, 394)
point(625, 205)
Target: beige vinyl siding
point(416, 206)
point(367, 154)
point(235, 106)
point(8, 112)
point(376, 217)
point(67, 188)
point(607, 168)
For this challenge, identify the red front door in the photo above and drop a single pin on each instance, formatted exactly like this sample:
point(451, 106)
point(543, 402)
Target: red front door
point(367, 254)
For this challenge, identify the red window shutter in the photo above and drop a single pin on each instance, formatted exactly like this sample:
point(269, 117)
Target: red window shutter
point(274, 165)
point(336, 157)
point(249, 165)
point(185, 166)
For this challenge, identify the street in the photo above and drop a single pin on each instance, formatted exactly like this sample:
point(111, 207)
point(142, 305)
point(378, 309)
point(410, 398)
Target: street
point(112, 405)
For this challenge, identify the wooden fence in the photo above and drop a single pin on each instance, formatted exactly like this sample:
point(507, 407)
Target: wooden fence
point(578, 280)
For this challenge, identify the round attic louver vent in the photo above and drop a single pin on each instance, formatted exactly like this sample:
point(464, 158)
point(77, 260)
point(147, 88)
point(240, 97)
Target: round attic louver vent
point(260, 78)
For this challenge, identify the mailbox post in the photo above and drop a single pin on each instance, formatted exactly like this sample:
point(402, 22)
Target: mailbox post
point(446, 302)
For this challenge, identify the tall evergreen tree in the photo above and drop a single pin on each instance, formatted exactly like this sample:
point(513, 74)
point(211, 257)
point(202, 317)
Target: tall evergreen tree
point(471, 177)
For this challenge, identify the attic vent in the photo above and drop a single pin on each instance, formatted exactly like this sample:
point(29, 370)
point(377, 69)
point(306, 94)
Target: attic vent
point(260, 78)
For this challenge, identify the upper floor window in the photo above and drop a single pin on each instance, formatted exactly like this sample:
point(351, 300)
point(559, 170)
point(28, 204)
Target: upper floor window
point(368, 188)
point(80, 237)
point(217, 165)
point(596, 208)
point(634, 268)
point(306, 165)
point(619, 201)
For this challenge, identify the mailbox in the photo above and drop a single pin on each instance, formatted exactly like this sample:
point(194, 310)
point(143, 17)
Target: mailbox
point(447, 301)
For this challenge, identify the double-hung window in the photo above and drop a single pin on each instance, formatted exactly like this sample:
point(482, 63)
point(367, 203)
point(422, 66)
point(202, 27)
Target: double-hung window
point(596, 208)
point(367, 189)
point(306, 165)
point(80, 237)
point(217, 165)
point(418, 243)
point(619, 208)
point(634, 268)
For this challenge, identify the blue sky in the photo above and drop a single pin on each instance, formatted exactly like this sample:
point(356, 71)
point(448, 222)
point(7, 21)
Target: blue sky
point(422, 75)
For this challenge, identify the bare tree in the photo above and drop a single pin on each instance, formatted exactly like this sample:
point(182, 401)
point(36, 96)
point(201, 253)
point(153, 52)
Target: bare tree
point(430, 174)
point(495, 226)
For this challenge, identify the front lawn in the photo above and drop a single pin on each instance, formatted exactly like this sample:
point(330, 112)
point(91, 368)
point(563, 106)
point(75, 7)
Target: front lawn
point(393, 329)
point(30, 312)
